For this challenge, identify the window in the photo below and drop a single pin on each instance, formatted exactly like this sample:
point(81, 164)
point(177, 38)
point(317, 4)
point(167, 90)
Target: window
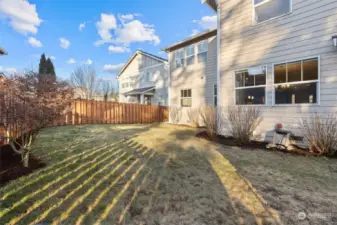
point(180, 61)
point(190, 55)
point(268, 9)
point(296, 82)
point(186, 98)
point(215, 95)
point(149, 76)
point(123, 85)
point(250, 86)
point(202, 51)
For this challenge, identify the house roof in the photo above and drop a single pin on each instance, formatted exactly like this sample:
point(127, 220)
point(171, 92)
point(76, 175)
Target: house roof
point(198, 37)
point(140, 91)
point(211, 3)
point(143, 53)
point(2, 51)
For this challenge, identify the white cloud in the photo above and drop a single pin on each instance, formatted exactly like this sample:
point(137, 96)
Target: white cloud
point(34, 42)
point(89, 62)
point(22, 15)
point(7, 70)
point(81, 26)
point(64, 43)
point(71, 61)
point(195, 32)
point(207, 22)
point(107, 23)
point(118, 49)
point(124, 33)
point(127, 17)
point(113, 68)
point(51, 57)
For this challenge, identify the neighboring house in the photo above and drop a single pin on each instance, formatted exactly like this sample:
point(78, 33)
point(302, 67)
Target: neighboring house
point(2, 51)
point(144, 80)
point(193, 73)
point(278, 55)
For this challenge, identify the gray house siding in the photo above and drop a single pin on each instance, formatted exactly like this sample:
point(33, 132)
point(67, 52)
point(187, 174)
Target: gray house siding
point(135, 75)
point(305, 32)
point(199, 77)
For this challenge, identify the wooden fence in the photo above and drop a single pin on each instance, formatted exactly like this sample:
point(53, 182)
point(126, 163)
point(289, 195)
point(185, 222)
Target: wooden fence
point(100, 112)
point(94, 112)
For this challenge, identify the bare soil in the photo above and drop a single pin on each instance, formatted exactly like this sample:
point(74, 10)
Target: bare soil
point(11, 166)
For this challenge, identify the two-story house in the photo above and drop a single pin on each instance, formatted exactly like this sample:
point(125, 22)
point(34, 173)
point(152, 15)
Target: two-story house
point(279, 55)
point(193, 73)
point(144, 80)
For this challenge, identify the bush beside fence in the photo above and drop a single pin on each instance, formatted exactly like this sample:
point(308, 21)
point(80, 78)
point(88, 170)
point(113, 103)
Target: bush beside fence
point(90, 112)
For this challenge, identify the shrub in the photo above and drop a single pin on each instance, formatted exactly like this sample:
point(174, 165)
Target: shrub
point(244, 121)
point(175, 114)
point(212, 122)
point(194, 116)
point(321, 134)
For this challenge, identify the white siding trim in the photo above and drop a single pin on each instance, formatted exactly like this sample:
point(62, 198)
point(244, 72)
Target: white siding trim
point(218, 63)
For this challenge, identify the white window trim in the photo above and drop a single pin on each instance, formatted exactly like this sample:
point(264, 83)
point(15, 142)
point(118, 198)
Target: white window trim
point(250, 87)
point(190, 56)
point(318, 81)
point(265, 1)
point(149, 74)
point(197, 46)
point(176, 58)
point(186, 97)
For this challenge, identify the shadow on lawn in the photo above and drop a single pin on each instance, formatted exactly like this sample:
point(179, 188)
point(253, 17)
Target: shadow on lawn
point(127, 182)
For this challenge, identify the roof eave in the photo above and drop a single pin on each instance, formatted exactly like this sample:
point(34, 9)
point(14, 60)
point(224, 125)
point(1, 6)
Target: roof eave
point(134, 55)
point(200, 35)
point(211, 3)
point(2, 51)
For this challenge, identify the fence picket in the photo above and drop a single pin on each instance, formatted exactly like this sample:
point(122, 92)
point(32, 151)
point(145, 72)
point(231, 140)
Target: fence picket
point(90, 112)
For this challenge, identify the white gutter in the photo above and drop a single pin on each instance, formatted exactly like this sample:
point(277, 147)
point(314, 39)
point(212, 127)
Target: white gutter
point(169, 86)
point(218, 73)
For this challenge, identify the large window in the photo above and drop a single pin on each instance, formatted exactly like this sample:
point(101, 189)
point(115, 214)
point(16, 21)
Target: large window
point(190, 51)
point(202, 51)
point(250, 86)
point(186, 98)
point(149, 76)
point(179, 58)
point(268, 9)
point(297, 82)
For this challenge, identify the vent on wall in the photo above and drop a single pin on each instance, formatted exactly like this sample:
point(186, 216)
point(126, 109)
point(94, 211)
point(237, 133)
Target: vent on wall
point(334, 39)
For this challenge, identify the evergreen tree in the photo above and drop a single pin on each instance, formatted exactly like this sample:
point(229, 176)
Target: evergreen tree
point(50, 67)
point(43, 65)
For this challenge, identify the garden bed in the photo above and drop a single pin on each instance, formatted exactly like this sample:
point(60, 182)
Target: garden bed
point(11, 166)
point(230, 141)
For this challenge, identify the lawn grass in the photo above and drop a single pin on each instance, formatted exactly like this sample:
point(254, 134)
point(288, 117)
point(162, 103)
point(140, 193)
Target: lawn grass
point(162, 174)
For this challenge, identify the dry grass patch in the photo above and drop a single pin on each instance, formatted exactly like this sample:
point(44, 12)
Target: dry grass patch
point(162, 174)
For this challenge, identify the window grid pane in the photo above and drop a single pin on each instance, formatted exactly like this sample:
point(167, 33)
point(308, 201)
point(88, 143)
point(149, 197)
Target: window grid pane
point(298, 93)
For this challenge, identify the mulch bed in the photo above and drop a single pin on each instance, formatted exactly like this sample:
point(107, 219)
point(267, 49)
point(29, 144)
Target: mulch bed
point(11, 166)
point(230, 141)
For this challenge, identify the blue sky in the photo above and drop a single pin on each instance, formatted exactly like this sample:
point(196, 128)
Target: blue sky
point(111, 31)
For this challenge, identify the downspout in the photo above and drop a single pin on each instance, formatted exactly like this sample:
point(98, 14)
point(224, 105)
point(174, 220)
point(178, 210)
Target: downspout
point(218, 36)
point(169, 86)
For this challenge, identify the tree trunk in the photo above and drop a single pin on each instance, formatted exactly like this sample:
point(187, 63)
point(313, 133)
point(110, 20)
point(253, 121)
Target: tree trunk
point(26, 160)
